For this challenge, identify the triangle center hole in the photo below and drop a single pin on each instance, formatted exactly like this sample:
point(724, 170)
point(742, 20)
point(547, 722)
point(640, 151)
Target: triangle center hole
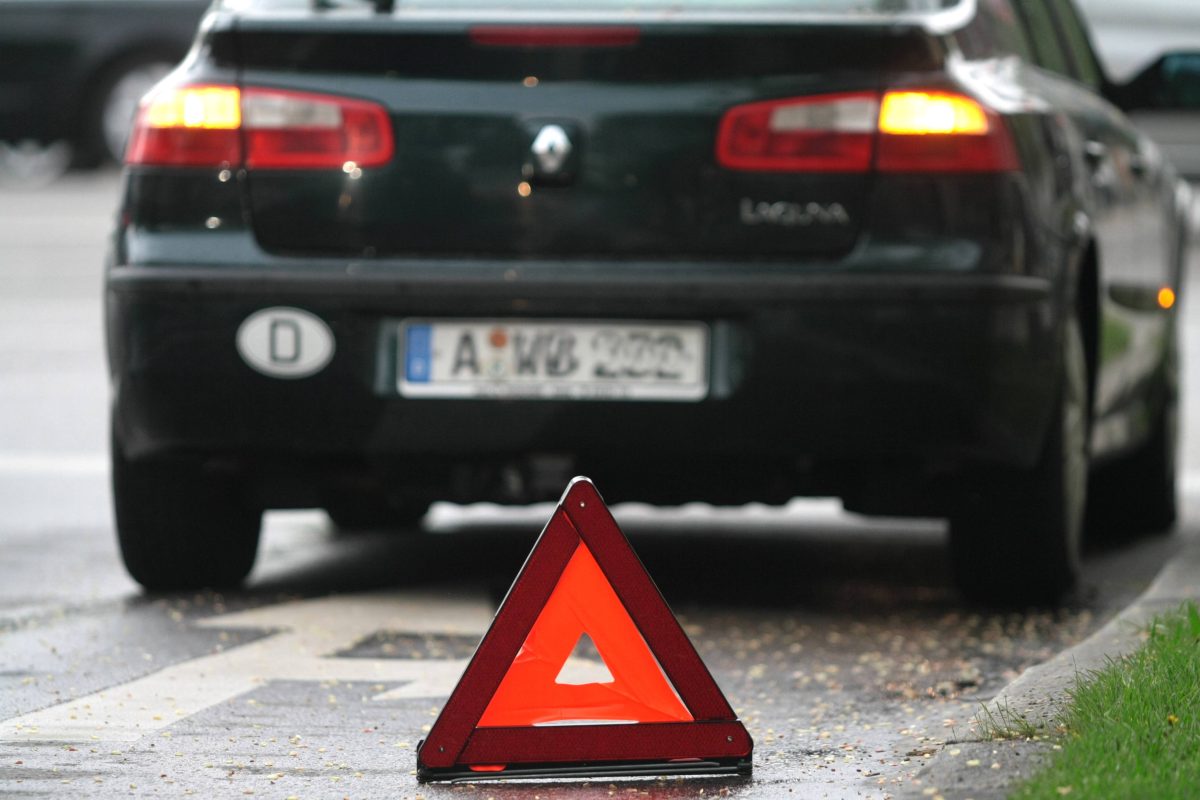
point(584, 665)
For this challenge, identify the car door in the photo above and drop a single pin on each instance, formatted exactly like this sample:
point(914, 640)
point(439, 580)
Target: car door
point(1136, 163)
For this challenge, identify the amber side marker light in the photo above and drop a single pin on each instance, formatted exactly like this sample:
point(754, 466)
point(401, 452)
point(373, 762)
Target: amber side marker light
point(1166, 297)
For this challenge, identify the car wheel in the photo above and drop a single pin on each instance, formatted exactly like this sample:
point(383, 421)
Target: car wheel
point(111, 107)
point(1137, 494)
point(1017, 537)
point(181, 527)
point(29, 163)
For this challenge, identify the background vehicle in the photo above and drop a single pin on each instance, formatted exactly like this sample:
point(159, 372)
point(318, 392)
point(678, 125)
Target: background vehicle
point(1131, 40)
point(910, 257)
point(74, 69)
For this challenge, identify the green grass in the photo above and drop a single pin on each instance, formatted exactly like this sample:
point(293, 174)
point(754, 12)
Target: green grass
point(1133, 727)
point(1002, 722)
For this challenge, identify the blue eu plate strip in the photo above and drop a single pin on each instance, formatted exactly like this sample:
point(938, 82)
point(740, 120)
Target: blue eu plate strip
point(418, 353)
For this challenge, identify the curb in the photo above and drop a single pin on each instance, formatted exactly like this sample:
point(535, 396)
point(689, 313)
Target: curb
point(1039, 694)
point(1042, 692)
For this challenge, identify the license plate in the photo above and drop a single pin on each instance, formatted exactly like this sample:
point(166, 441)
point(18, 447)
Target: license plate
point(554, 360)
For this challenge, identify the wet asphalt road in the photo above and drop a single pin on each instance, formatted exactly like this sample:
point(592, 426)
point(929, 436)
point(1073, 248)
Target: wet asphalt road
point(838, 641)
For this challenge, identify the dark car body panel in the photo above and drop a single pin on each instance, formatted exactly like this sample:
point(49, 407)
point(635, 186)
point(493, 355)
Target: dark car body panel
point(913, 343)
point(825, 343)
point(642, 118)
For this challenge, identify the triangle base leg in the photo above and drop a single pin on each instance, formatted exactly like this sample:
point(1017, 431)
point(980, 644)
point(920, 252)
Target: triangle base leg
point(694, 767)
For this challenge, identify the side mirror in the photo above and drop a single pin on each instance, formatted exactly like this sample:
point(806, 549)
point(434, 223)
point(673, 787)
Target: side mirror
point(1172, 83)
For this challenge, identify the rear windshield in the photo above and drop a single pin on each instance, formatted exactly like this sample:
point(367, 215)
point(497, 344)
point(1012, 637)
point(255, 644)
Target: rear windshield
point(617, 6)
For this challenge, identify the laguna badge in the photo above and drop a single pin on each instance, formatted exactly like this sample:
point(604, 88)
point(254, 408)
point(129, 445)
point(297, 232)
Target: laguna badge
point(792, 215)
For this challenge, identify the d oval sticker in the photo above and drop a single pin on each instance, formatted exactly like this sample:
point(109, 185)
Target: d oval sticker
point(285, 342)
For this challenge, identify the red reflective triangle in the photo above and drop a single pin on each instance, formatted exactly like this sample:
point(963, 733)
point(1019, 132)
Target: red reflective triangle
point(510, 714)
point(583, 602)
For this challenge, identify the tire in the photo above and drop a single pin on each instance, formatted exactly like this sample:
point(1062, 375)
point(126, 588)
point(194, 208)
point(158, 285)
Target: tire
point(181, 527)
point(110, 108)
point(1016, 539)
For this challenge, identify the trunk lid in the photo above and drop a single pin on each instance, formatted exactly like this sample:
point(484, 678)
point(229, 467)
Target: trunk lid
point(633, 121)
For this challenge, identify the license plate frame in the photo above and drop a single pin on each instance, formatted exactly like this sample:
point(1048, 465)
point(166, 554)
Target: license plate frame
point(531, 359)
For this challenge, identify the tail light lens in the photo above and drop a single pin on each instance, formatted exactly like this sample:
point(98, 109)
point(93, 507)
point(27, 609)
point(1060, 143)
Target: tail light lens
point(829, 133)
point(291, 130)
point(898, 131)
point(194, 126)
point(259, 129)
point(941, 132)
point(925, 113)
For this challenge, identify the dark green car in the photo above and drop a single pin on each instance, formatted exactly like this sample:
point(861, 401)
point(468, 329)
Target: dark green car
point(908, 253)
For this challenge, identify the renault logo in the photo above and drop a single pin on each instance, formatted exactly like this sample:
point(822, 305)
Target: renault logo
point(551, 149)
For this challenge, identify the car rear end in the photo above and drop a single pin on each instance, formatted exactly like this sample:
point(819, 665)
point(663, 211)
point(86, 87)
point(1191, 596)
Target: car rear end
point(699, 254)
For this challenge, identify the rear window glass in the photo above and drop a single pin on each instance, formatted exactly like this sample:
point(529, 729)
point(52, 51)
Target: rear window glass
point(621, 6)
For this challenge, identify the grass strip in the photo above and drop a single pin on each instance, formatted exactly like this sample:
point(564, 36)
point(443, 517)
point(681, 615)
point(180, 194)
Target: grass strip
point(1132, 729)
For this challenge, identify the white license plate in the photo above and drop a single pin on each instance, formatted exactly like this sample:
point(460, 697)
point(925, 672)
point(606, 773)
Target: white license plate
point(554, 359)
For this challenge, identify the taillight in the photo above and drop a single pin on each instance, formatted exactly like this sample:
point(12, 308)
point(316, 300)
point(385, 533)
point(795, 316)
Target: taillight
point(258, 128)
point(292, 130)
point(827, 133)
point(898, 131)
point(941, 132)
point(192, 126)
point(924, 113)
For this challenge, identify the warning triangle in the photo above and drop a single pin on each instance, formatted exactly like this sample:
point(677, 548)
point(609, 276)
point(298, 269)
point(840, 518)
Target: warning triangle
point(656, 711)
point(583, 604)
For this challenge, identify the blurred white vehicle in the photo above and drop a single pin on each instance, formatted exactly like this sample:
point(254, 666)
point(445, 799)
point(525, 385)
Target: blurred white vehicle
point(1132, 37)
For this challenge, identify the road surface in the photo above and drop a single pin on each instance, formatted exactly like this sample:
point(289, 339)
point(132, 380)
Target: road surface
point(839, 641)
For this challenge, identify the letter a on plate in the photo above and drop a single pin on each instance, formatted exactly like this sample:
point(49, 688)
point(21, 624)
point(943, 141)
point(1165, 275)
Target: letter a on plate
point(652, 708)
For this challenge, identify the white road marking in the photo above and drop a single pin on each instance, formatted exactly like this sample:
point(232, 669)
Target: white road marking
point(310, 632)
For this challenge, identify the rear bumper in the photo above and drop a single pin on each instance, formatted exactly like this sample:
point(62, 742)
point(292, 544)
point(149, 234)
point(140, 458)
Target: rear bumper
point(819, 369)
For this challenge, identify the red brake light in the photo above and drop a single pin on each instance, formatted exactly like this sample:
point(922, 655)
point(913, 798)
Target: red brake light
point(899, 131)
point(259, 129)
point(826, 133)
point(296, 130)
